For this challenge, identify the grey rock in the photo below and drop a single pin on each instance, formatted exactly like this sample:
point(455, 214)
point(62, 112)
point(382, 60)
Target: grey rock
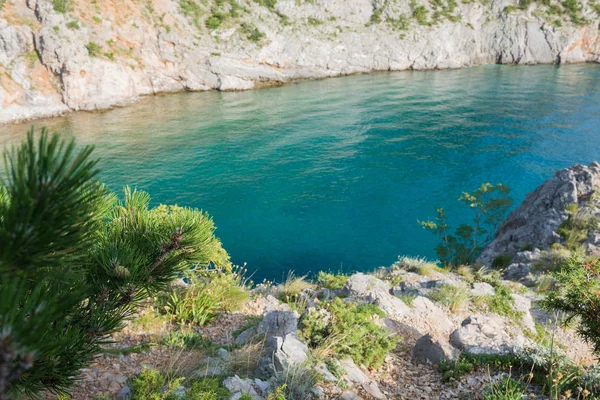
point(245, 336)
point(487, 334)
point(482, 289)
point(373, 390)
point(324, 372)
point(523, 305)
point(517, 271)
point(278, 323)
point(425, 311)
point(353, 373)
point(290, 351)
point(125, 393)
point(369, 288)
point(535, 222)
point(317, 392)
point(223, 354)
point(429, 350)
point(256, 388)
point(349, 395)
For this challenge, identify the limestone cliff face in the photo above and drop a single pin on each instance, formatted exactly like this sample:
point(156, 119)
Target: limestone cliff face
point(61, 55)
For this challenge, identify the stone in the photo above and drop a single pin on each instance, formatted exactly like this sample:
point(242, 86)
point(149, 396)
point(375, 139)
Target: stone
point(487, 334)
point(125, 394)
point(278, 323)
point(223, 354)
point(482, 289)
point(290, 351)
point(317, 392)
point(428, 350)
point(256, 388)
point(324, 372)
point(349, 395)
point(244, 337)
point(353, 373)
point(522, 304)
point(373, 390)
point(375, 291)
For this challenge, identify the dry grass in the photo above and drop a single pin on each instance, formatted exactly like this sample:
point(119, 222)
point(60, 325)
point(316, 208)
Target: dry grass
point(293, 286)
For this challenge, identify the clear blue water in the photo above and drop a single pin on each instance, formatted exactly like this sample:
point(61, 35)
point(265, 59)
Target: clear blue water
point(333, 174)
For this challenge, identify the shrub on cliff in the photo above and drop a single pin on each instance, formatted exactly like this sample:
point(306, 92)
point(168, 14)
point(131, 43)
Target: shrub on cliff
point(578, 297)
point(348, 329)
point(75, 261)
point(489, 204)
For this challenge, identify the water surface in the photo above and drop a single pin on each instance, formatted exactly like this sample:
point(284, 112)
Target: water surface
point(334, 174)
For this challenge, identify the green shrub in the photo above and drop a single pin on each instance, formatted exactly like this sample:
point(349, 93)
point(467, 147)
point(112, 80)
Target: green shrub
point(251, 32)
point(270, 4)
point(2, 3)
point(575, 229)
point(456, 298)
point(489, 204)
point(213, 22)
point(190, 9)
point(92, 259)
point(313, 21)
point(293, 383)
point(505, 389)
point(577, 297)
point(94, 49)
point(502, 261)
point(61, 6)
point(454, 370)
point(73, 24)
point(154, 385)
point(502, 303)
point(332, 281)
point(349, 329)
point(187, 340)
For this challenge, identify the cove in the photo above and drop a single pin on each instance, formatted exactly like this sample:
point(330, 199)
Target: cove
point(334, 174)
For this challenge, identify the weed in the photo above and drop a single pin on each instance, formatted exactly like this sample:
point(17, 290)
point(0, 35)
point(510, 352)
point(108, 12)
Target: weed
point(61, 6)
point(456, 298)
point(505, 388)
point(94, 49)
point(348, 329)
point(251, 32)
point(73, 24)
point(332, 281)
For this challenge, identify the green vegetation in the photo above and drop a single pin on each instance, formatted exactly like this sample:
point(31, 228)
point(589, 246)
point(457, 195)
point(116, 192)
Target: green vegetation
point(293, 383)
point(62, 6)
point(502, 261)
point(94, 49)
point(489, 204)
point(332, 281)
point(76, 261)
point(191, 10)
point(456, 298)
point(208, 293)
point(505, 388)
point(418, 265)
point(576, 228)
point(577, 297)
point(290, 290)
point(313, 21)
point(73, 24)
point(153, 385)
point(502, 303)
point(270, 4)
point(251, 32)
point(2, 3)
point(187, 340)
point(348, 329)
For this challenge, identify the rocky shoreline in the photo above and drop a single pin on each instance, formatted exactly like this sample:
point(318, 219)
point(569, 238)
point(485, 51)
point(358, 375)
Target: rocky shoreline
point(94, 56)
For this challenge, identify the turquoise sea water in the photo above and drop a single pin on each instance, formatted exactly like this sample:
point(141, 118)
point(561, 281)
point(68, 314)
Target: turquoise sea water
point(333, 174)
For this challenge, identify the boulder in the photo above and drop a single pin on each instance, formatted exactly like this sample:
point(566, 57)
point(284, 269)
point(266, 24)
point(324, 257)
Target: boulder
point(278, 323)
point(254, 387)
point(428, 350)
point(375, 291)
point(482, 289)
point(355, 375)
point(487, 334)
point(522, 304)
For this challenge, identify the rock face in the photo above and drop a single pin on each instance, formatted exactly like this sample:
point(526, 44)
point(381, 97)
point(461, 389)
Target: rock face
point(535, 222)
point(96, 54)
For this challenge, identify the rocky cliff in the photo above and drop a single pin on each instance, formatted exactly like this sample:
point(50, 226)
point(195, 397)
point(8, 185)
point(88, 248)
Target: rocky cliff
point(62, 55)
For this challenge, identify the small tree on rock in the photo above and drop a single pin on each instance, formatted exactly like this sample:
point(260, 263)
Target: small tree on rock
point(490, 204)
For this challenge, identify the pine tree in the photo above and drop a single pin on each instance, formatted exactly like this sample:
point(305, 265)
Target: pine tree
point(75, 261)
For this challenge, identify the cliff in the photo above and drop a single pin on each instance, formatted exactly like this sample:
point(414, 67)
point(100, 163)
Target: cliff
point(62, 55)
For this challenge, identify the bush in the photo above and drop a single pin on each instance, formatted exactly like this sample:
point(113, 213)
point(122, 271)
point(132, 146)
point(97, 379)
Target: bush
point(293, 383)
point(75, 262)
point(251, 32)
point(94, 49)
point(502, 303)
point(577, 297)
point(575, 229)
point(502, 261)
point(154, 385)
point(332, 281)
point(489, 204)
point(61, 6)
point(349, 329)
point(270, 4)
